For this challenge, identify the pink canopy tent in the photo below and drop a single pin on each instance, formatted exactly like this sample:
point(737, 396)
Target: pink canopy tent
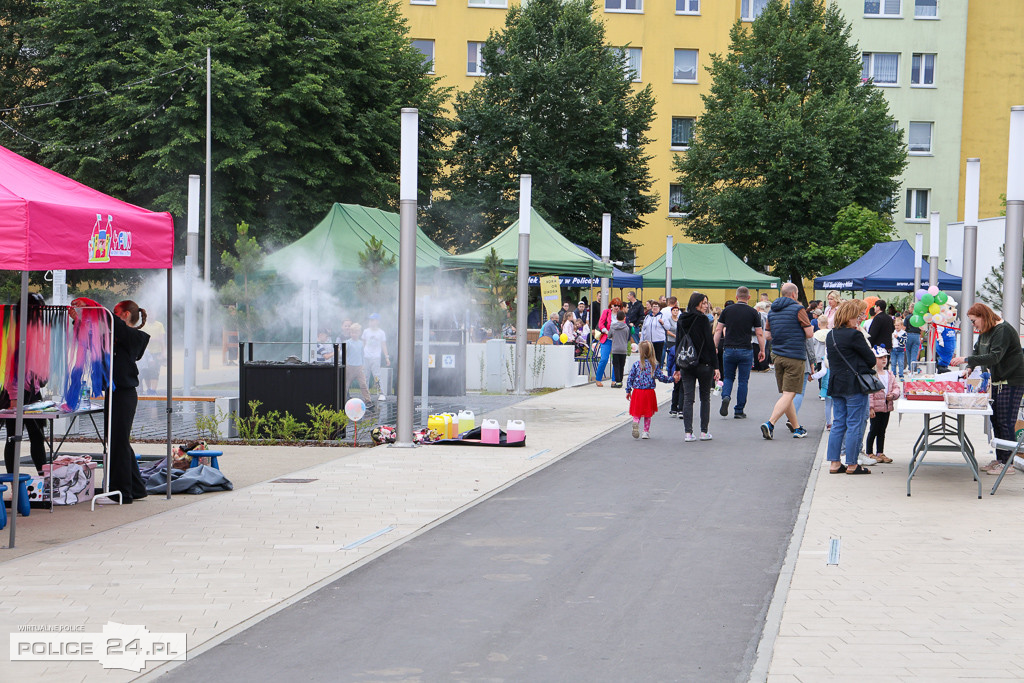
point(51, 222)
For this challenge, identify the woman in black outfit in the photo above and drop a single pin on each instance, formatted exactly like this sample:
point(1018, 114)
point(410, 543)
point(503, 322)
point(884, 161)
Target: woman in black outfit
point(694, 322)
point(129, 345)
point(36, 436)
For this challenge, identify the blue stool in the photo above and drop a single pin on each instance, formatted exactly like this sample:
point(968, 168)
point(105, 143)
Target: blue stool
point(3, 508)
point(212, 455)
point(23, 503)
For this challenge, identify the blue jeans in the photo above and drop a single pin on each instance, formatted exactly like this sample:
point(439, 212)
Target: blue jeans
point(850, 413)
point(913, 348)
point(606, 354)
point(899, 363)
point(736, 360)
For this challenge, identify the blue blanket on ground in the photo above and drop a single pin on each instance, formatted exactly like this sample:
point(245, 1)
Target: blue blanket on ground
point(194, 480)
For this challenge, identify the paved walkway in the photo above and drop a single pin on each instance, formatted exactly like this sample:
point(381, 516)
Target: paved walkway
point(275, 541)
point(927, 588)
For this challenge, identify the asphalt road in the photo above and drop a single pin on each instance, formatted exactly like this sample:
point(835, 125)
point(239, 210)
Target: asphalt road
point(627, 560)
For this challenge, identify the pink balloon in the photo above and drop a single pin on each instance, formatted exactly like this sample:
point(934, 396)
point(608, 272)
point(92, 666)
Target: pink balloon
point(933, 290)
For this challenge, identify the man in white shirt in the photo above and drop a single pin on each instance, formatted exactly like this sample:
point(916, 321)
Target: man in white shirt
point(375, 348)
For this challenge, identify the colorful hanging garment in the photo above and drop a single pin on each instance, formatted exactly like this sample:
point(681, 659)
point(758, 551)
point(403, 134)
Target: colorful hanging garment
point(89, 353)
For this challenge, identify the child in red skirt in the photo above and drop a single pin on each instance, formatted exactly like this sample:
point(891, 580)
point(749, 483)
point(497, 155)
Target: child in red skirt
point(640, 389)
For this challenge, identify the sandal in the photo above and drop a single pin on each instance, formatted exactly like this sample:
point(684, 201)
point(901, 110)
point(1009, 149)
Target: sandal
point(881, 458)
point(841, 470)
point(858, 470)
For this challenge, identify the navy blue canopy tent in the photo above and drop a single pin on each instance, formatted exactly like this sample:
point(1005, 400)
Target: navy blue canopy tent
point(887, 267)
point(620, 278)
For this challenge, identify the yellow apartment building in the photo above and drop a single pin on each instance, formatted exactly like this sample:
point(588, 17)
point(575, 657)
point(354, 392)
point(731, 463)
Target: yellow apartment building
point(993, 82)
point(669, 43)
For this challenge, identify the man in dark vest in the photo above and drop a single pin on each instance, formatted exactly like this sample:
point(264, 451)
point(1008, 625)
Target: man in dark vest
point(789, 327)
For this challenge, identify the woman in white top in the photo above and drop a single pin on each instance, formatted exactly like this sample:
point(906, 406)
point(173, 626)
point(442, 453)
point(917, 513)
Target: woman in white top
point(653, 330)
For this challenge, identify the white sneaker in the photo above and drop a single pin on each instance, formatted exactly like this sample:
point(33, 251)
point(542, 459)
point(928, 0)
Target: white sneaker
point(645, 435)
point(690, 437)
point(382, 397)
point(705, 436)
point(865, 461)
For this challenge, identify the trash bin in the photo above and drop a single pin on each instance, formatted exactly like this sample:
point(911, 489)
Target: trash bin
point(289, 386)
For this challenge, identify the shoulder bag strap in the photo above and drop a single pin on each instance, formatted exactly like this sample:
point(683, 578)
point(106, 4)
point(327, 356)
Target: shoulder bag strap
point(830, 336)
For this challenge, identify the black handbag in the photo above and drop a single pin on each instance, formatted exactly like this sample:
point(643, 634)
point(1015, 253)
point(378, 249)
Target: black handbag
point(867, 382)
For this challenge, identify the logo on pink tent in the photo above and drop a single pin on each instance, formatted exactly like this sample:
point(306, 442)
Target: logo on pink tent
point(107, 241)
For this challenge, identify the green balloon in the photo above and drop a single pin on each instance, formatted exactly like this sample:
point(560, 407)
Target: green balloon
point(917, 320)
point(941, 298)
point(927, 300)
point(920, 308)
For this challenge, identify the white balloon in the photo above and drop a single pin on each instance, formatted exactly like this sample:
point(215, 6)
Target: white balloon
point(928, 317)
point(355, 409)
point(938, 319)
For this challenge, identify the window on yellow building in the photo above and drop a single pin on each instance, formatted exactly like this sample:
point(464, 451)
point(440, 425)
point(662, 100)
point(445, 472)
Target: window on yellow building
point(422, 2)
point(751, 9)
point(685, 68)
point(920, 137)
point(623, 5)
point(882, 8)
point(917, 206)
point(682, 131)
point(474, 60)
point(926, 9)
point(426, 48)
point(675, 200)
point(687, 6)
point(488, 3)
point(922, 69)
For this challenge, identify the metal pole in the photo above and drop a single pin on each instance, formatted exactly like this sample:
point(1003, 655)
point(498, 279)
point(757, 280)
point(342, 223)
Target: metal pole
point(206, 245)
point(969, 272)
point(918, 256)
point(314, 318)
point(191, 270)
point(933, 275)
point(407, 277)
point(170, 365)
point(606, 256)
point(523, 279)
point(668, 266)
point(307, 341)
point(1013, 251)
point(425, 360)
point(19, 415)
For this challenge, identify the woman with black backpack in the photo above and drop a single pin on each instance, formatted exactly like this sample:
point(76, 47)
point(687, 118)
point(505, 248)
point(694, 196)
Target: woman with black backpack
point(696, 363)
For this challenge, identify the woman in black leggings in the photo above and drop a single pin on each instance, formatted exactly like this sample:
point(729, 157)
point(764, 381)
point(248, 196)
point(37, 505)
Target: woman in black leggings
point(129, 344)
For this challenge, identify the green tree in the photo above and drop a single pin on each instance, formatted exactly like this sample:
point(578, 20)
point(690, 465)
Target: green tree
point(498, 286)
point(991, 291)
point(789, 136)
point(306, 99)
point(244, 289)
point(854, 232)
point(378, 267)
point(556, 104)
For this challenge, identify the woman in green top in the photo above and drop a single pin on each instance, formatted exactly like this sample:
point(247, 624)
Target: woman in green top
point(998, 349)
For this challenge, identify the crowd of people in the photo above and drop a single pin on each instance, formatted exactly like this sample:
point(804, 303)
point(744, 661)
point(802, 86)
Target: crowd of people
point(366, 352)
point(836, 342)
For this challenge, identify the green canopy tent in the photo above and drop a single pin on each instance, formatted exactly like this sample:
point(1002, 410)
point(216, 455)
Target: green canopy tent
point(332, 247)
point(550, 252)
point(706, 266)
